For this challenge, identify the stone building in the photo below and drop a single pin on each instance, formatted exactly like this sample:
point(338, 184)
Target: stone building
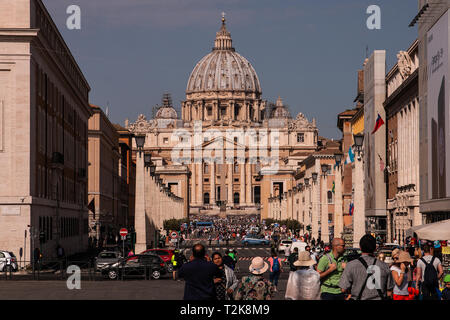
point(311, 199)
point(434, 70)
point(44, 112)
point(231, 148)
point(127, 174)
point(106, 216)
point(402, 113)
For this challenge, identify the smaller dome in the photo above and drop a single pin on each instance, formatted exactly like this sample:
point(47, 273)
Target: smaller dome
point(280, 111)
point(166, 111)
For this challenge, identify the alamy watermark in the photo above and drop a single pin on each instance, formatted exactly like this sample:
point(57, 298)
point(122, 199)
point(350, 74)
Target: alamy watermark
point(374, 20)
point(73, 22)
point(74, 280)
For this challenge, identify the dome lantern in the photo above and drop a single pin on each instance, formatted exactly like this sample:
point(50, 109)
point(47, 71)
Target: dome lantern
point(223, 38)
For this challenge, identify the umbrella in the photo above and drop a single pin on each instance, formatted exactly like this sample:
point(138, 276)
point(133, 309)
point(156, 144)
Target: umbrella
point(433, 231)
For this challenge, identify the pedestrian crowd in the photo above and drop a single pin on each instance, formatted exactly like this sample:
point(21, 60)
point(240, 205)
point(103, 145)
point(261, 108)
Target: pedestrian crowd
point(326, 277)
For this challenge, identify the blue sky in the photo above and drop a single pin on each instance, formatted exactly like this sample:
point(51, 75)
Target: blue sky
point(308, 52)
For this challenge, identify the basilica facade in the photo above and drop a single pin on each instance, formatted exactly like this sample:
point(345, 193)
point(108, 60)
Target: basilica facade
point(230, 150)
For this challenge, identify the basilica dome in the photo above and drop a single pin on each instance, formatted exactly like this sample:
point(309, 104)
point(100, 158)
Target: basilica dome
point(223, 69)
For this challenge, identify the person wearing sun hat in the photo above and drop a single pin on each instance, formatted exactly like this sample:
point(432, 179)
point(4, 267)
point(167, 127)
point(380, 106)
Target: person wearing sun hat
point(255, 286)
point(303, 284)
point(400, 270)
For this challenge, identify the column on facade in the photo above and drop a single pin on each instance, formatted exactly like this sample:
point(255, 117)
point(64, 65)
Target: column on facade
point(242, 183)
point(247, 111)
point(315, 209)
point(202, 110)
point(140, 218)
point(200, 183)
point(288, 204)
point(193, 183)
point(213, 183)
point(248, 185)
point(230, 184)
point(325, 233)
point(338, 217)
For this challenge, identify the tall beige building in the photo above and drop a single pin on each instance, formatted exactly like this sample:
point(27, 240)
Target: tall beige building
point(233, 147)
point(44, 112)
point(104, 192)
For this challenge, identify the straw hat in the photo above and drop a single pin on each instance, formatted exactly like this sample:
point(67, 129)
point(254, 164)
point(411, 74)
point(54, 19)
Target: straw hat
point(258, 266)
point(304, 260)
point(395, 252)
point(404, 257)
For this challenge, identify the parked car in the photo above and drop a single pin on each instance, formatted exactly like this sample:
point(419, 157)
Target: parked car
point(255, 239)
point(298, 244)
point(8, 261)
point(284, 244)
point(148, 265)
point(165, 254)
point(106, 257)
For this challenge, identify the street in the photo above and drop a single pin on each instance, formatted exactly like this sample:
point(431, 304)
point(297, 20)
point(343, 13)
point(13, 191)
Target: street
point(22, 287)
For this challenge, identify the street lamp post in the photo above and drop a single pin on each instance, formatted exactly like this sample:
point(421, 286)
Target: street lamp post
point(358, 201)
point(338, 217)
point(140, 212)
point(324, 214)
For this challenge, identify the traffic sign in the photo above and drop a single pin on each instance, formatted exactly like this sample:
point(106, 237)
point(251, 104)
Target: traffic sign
point(123, 232)
point(174, 235)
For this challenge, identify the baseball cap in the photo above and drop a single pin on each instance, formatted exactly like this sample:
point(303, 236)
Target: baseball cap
point(447, 278)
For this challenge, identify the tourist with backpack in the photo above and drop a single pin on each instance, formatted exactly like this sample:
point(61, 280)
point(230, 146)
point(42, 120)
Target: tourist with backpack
point(367, 278)
point(275, 269)
point(429, 271)
point(330, 267)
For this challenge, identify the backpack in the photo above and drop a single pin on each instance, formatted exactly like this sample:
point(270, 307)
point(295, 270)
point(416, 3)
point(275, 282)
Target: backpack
point(430, 279)
point(276, 265)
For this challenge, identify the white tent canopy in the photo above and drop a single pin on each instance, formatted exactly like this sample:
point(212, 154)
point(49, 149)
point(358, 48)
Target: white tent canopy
point(434, 231)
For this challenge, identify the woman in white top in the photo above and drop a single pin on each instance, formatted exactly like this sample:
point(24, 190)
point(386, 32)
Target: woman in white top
point(399, 270)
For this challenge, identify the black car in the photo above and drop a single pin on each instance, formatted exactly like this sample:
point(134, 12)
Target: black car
point(146, 265)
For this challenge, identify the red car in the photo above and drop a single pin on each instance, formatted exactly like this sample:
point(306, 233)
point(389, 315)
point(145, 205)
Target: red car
point(165, 254)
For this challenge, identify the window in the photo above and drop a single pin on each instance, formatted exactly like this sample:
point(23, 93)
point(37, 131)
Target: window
point(223, 111)
point(209, 111)
point(206, 168)
point(236, 180)
point(330, 196)
point(299, 163)
point(236, 198)
point(165, 140)
point(300, 137)
point(206, 180)
point(236, 139)
point(330, 217)
point(236, 167)
point(206, 198)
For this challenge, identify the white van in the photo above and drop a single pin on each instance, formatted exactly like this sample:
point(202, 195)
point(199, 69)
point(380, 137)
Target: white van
point(298, 244)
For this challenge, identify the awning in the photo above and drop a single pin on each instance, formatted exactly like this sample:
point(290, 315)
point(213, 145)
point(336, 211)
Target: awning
point(434, 231)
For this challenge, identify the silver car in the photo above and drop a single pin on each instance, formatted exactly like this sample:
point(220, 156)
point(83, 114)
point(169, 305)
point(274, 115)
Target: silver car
point(8, 261)
point(105, 258)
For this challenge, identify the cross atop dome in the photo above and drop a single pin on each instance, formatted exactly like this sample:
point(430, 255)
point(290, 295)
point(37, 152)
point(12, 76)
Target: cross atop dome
point(223, 37)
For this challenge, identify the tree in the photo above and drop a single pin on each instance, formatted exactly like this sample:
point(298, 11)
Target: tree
point(174, 224)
